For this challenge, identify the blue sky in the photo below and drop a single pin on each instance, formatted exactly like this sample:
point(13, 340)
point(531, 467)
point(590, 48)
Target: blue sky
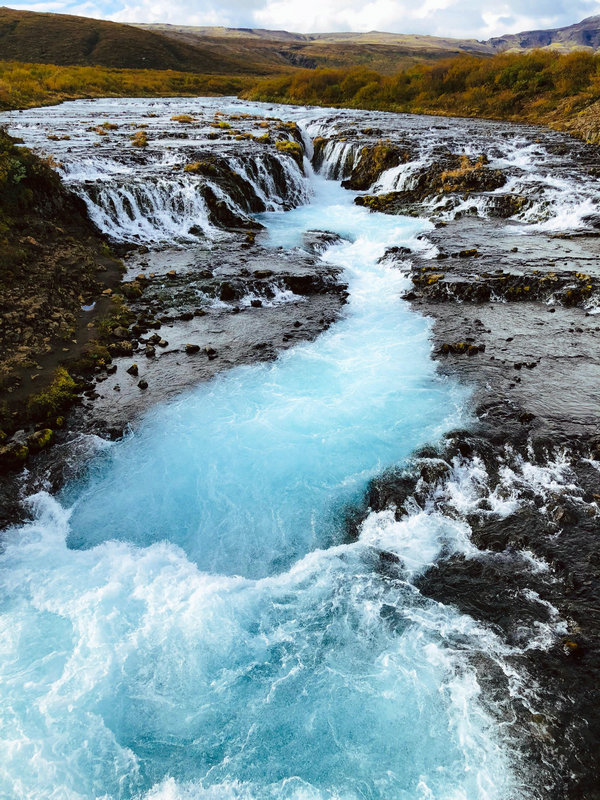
point(439, 17)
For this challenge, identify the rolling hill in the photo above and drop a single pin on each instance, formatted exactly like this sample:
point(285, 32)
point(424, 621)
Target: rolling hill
point(584, 34)
point(67, 40)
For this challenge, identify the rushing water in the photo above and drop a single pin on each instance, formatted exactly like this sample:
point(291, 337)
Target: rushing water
point(190, 620)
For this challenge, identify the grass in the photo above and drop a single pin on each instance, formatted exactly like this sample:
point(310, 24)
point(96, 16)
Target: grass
point(27, 85)
point(540, 87)
point(58, 396)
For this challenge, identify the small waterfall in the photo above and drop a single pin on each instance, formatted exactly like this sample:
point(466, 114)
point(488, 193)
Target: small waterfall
point(337, 159)
point(276, 180)
point(151, 208)
point(147, 210)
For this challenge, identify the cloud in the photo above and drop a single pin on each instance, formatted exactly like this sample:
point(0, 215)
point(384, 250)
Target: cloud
point(463, 18)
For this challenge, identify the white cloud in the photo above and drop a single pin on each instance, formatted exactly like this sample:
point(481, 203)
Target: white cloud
point(464, 18)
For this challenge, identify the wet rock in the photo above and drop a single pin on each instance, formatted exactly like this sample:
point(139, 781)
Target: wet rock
point(133, 370)
point(319, 241)
point(143, 384)
point(13, 455)
point(40, 439)
point(120, 332)
point(190, 349)
point(374, 159)
point(123, 348)
point(132, 289)
point(228, 292)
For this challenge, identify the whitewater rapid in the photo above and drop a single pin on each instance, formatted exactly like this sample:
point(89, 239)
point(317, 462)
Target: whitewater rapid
point(191, 618)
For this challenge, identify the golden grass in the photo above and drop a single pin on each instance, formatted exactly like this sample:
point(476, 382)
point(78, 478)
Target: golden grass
point(26, 85)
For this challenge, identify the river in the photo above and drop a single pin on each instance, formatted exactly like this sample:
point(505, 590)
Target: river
point(191, 618)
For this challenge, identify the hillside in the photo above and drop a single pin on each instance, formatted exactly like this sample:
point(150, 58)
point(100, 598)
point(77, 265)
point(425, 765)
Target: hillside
point(67, 40)
point(584, 34)
point(540, 87)
point(385, 52)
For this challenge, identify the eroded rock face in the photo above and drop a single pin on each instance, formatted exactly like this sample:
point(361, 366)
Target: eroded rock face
point(565, 288)
point(452, 174)
point(373, 160)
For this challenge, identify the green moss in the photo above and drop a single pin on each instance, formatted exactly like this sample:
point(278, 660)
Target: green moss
point(94, 355)
point(59, 395)
point(201, 167)
point(40, 439)
point(293, 148)
point(139, 139)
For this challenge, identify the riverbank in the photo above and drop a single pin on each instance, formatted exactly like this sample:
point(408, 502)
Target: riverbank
point(526, 476)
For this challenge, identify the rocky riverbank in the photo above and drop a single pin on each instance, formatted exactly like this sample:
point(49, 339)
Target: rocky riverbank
point(514, 318)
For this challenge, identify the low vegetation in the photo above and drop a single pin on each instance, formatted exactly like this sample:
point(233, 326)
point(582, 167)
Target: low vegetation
point(27, 85)
point(541, 86)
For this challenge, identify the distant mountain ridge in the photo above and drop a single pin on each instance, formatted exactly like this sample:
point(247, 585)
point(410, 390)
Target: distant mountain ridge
point(584, 34)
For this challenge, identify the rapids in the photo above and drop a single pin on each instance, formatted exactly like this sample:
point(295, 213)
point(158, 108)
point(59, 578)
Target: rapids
point(191, 619)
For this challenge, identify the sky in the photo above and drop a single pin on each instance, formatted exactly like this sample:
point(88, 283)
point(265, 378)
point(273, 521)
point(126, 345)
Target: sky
point(461, 18)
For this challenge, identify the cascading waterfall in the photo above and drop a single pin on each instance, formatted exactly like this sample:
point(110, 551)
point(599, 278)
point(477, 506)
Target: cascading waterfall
point(148, 211)
point(190, 618)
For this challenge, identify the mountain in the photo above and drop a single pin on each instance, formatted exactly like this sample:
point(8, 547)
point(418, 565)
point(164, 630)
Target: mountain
point(78, 41)
point(584, 34)
point(384, 52)
point(67, 40)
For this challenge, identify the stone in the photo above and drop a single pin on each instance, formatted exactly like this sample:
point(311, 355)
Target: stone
point(190, 349)
point(40, 439)
point(143, 384)
point(133, 370)
point(227, 292)
point(13, 455)
point(123, 348)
